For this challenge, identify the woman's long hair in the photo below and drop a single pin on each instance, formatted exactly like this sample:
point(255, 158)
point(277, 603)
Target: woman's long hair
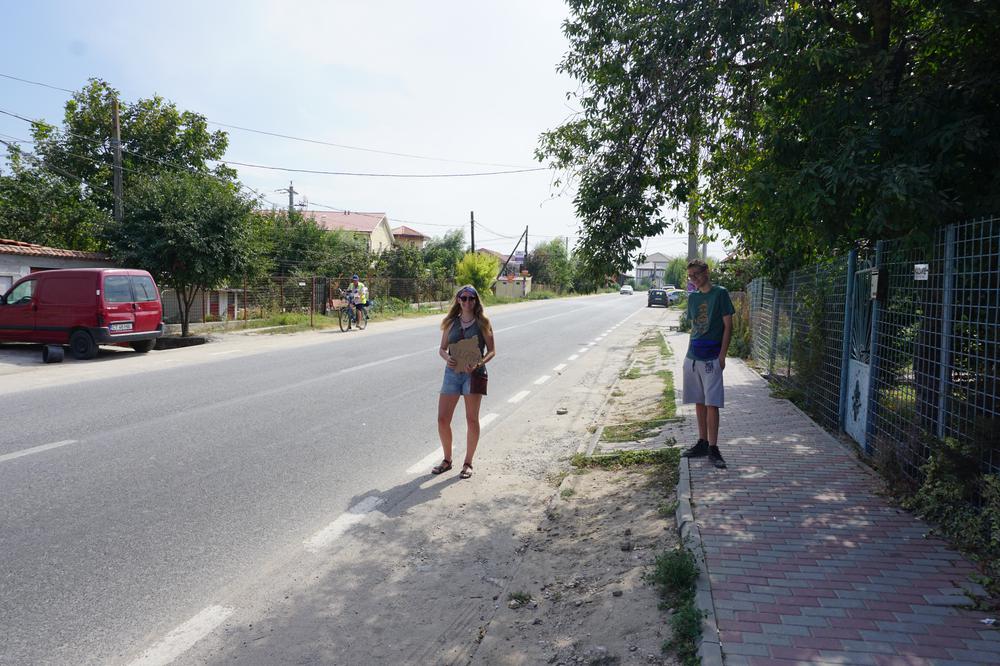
point(456, 310)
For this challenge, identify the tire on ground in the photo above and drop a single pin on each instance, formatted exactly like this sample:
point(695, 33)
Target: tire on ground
point(52, 354)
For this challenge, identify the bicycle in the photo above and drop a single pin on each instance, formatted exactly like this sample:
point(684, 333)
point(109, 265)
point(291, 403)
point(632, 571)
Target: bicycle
point(347, 314)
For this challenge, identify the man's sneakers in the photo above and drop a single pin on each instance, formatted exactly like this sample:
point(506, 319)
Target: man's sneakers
point(715, 457)
point(699, 450)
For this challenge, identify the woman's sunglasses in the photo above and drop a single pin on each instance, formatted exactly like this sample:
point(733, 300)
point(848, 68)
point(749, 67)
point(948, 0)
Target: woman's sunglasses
point(466, 298)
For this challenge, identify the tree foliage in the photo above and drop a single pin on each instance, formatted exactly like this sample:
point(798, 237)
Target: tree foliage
point(192, 232)
point(441, 255)
point(807, 125)
point(549, 264)
point(477, 269)
point(297, 245)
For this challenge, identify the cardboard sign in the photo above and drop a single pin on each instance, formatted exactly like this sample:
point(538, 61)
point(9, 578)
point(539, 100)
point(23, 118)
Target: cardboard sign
point(465, 352)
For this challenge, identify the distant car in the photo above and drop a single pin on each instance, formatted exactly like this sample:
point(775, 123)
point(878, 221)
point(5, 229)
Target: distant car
point(626, 290)
point(674, 296)
point(657, 297)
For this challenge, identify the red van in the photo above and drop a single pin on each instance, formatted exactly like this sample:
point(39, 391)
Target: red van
point(83, 308)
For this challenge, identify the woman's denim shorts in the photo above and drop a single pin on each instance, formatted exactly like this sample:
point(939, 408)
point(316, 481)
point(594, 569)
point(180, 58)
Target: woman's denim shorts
point(456, 383)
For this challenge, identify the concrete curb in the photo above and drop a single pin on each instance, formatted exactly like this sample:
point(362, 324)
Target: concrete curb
point(710, 647)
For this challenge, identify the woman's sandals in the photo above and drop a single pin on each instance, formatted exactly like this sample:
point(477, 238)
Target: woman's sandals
point(441, 468)
point(466, 471)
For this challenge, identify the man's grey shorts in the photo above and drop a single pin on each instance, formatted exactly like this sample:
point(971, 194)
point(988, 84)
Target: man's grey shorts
point(703, 383)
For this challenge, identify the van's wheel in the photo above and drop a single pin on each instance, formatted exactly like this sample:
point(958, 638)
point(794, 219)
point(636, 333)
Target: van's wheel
point(82, 345)
point(52, 354)
point(144, 346)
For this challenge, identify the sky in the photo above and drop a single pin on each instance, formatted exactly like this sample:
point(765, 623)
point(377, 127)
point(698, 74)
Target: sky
point(471, 85)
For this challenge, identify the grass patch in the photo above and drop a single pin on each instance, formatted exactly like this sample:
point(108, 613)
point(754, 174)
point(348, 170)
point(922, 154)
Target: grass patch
point(566, 493)
point(631, 373)
point(675, 573)
point(520, 597)
point(635, 430)
point(619, 459)
point(668, 509)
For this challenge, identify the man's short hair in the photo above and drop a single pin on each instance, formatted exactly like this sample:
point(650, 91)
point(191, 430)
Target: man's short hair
point(698, 264)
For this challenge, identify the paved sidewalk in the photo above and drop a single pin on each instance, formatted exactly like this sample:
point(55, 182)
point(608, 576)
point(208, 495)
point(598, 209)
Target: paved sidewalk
point(807, 563)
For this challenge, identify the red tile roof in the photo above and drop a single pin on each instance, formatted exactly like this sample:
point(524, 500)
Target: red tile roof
point(19, 247)
point(350, 221)
point(494, 253)
point(406, 232)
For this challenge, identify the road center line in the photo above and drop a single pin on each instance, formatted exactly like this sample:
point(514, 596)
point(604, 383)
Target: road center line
point(36, 449)
point(336, 529)
point(229, 351)
point(518, 397)
point(541, 380)
point(183, 637)
point(488, 419)
point(584, 350)
point(581, 350)
point(573, 357)
point(559, 368)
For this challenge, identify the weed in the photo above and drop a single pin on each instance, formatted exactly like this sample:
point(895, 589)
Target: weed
point(557, 477)
point(667, 509)
point(619, 459)
point(675, 573)
point(566, 493)
point(631, 373)
point(617, 393)
point(685, 627)
point(632, 431)
point(520, 597)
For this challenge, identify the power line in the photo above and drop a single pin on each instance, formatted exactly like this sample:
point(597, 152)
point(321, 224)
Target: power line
point(302, 139)
point(383, 175)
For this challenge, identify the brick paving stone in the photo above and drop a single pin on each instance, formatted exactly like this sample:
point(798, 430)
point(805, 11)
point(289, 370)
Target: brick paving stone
point(796, 535)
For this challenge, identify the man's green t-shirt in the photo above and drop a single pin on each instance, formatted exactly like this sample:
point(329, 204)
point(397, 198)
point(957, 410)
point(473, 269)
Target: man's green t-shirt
point(705, 312)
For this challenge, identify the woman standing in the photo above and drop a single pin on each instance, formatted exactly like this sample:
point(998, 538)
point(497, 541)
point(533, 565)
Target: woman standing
point(465, 319)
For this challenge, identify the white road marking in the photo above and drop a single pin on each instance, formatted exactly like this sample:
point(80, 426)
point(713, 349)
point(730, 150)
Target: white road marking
point(591, 344)
point(425, 463)
point(488, 419)
point(573, 357)
point(541, 380)
point(36, 449)
point(559, 368)
point(518, 397)
point(585, 350)
point(336, 529)
point(229, 351)
point(183, 637)
point(581, 350)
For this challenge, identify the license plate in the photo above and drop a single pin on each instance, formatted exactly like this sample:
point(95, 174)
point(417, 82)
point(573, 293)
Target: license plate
point(121, 326)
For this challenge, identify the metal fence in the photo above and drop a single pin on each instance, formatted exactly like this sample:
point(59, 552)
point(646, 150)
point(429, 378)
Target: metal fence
point(900, 349)
point(307, 295)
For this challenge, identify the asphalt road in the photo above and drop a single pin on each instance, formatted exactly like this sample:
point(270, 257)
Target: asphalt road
point(133, 502)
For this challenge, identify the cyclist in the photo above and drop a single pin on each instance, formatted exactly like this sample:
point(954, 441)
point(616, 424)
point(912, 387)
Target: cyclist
point(357, 299)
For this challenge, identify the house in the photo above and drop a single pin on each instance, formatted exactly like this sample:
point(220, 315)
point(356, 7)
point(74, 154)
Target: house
point(18, 259)
point(653, 269)
point(406, 236)
point(372, 227)
point(516, 261)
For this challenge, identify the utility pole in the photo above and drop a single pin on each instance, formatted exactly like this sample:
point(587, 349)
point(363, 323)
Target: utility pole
point(692, 201)
point(291, 197)
point(116, 148)
point(525, 242)
point(472, 225)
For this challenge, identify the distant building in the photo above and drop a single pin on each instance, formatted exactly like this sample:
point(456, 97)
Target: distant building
point(406, 236)
point(372, 227)
point(653, 269)
point(18, 259)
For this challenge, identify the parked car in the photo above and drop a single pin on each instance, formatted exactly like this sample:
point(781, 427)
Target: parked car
point(626, 290)
point(674, 295)
point(657, 296)
point(83, 308)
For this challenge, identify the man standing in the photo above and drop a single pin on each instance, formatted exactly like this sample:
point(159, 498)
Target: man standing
point(710, 311)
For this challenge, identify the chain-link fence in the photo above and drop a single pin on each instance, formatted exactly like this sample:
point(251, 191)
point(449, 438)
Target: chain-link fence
point(266, 298)
point(903, 346)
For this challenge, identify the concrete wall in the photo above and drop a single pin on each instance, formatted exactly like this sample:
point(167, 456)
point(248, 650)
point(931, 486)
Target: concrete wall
point(516, 288)
point(13, 267)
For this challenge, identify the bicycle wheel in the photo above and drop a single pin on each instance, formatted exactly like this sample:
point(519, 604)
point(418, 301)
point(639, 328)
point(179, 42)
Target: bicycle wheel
point(362, 318)
point(342, 317)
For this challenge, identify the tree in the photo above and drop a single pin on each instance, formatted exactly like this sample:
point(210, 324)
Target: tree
point(479, 270)
point(549, 265)
point(441, 255)
point(297, 245)
point(806, 125)
point(38, 206)
point(192, 232)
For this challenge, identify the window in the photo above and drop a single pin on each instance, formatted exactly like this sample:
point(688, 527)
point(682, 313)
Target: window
point(22, 293)
point(117, 289)
point(144, 288)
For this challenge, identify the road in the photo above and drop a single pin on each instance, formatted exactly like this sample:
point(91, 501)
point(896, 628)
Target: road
point(138, 498)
